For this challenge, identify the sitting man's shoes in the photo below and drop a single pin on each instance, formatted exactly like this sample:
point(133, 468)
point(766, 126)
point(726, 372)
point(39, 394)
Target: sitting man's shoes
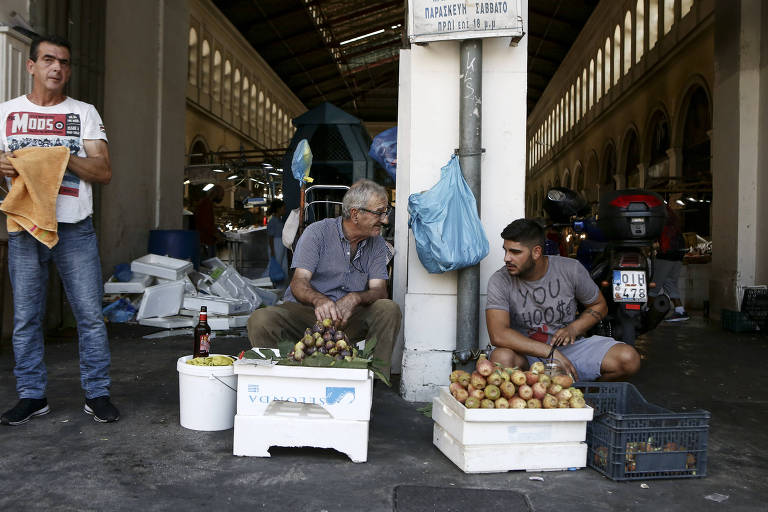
point(678, 317)
point(26, 409)
point(101, 409)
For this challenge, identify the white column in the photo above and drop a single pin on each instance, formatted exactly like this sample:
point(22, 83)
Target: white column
point(428, 133)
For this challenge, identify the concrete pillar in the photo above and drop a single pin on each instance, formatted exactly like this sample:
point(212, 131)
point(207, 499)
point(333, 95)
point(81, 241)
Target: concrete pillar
point(144, 98)
point(675, 162)
point(738, 151)
point(428, 133)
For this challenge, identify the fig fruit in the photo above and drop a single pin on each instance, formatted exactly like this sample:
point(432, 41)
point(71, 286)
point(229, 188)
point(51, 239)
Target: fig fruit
point(308, 331)
point(338, 336)
point(342, 345)
point(299, 346)
point(318, 328)
point(327, 322)
point(318, 342)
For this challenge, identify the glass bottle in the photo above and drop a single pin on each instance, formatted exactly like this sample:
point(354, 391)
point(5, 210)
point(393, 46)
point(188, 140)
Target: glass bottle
point(202, 346)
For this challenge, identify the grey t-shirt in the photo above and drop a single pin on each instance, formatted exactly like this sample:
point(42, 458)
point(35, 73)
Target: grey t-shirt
point(324, 250)
point(537, 309)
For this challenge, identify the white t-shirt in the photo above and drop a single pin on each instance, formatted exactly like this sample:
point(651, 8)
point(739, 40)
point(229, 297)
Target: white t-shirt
point(25, 124)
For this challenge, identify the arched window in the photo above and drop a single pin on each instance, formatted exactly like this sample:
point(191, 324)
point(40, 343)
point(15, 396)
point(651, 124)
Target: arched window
point(658, 166)
point(227, 84)
point(274, 122)
point(685, 6)
point(584, 92)
point(198, 153)
point(591, 82)
point(216, 77)
point(669, 15)
point(631, 159)
point(245, 109)
point(639, 29)
point(192, 57)
point(653, 23)
point(252, 110)
point(616, 54)
point(557, 122)
point(205, 75)
point(567, 112)
point(608, 79)
point(268, 121)
point(609, 169)
point(592, 174)
point(236, 92)
point(578, 99)
point(262, 115)
point(599, 76)
point(627, 42)
point(573, 106)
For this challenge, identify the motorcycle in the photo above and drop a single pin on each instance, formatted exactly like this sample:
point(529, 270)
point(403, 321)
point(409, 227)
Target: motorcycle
point(617, 250)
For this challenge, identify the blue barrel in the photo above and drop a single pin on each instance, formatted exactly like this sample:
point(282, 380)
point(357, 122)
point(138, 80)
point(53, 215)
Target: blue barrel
point(176, 243)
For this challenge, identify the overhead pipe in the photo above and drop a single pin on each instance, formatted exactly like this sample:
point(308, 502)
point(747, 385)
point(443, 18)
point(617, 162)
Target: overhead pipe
point(470, 150)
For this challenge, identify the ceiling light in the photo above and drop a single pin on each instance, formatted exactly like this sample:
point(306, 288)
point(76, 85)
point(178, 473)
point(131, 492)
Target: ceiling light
point(274, 174)
point(217, 170)
point(208, 187)
point(692, 199)
point(680, 202)
point(361, 37)
point(396, 26)
point(186, 182)
point(266, 165)
point(254, 179)
point(233, 177)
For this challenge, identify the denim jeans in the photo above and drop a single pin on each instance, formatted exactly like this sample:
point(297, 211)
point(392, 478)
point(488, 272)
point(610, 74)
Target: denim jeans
point(76, 256)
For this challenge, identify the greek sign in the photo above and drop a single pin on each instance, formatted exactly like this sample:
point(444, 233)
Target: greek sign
point(439, 20)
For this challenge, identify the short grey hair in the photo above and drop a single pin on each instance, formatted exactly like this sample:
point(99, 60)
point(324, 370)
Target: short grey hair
point(359, 194)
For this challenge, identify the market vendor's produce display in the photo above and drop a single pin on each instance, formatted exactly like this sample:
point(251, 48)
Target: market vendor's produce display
point(212, 361)
point(492, 386)
point(322, 346)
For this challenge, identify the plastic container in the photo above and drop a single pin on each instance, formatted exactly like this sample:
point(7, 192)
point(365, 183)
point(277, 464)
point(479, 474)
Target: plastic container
point(161, 266)
point(631, 215)
point(736, 321)
point(631, 439)
point(176, 243)
point(207, 396)
point(161, 300)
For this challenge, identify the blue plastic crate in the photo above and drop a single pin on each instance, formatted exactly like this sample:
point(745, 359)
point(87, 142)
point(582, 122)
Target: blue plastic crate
point(631, 439)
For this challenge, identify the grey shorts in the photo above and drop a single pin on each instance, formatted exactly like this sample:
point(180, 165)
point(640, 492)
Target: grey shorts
point(586, 355)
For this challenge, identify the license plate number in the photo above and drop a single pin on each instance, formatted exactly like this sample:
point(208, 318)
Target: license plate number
point(629, 286)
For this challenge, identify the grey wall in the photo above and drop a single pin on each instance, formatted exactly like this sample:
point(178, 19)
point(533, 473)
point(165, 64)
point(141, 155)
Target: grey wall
point(144, 97)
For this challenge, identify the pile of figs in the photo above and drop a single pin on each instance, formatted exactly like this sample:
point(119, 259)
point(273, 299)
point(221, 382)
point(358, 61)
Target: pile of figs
point(492, 386)
point(323, 338)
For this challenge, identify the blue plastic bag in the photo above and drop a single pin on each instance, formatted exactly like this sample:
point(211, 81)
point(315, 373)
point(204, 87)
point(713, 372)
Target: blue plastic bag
point(120, 311)
point(301, 162)
point(445, 223)
point(384, 150)
point(276, 274)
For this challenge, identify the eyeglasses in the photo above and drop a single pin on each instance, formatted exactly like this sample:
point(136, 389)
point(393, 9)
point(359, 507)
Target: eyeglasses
point(384, 213)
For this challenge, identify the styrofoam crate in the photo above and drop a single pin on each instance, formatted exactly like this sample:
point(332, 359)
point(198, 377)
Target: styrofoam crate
point(217, 305)
point(161, 266)
point(161, 300)
point(296, 425)
point(169, 322)
point(218, 323)
point(189, 287)
point(237, 321)
point(137, 284)
point(346, 393)
point(517, 415)
point(496, 458)
point(505, 432)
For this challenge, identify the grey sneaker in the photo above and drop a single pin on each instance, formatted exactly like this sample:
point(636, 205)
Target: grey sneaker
point(101, 409)
point(26, 409)
point(678, 317)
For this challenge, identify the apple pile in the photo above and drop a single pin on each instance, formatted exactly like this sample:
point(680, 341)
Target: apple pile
point(491, 386)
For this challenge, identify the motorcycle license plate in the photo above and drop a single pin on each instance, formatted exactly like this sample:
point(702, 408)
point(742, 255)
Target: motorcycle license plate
point(629, 286)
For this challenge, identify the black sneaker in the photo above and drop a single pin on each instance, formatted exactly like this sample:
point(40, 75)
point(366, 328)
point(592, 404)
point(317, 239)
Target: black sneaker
point(26, 409)
point(101, 409)
point(678, 317)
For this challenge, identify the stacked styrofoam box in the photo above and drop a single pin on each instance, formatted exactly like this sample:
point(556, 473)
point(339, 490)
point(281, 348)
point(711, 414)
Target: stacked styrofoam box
point(498, 440)
point(298, 406)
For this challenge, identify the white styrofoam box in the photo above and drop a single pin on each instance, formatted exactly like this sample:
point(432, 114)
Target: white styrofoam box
point(296, 425)
point(161, 266)
point(218, 323)
point(236, 321)
point(220, 289)
point(346, 393)
point(261, 282)
point(189, 288)
point(161, 300)
point(169, 322)
point(495, 458)
point(217, 305)
point(213, 263)
point(251, 296)
point(137, 284)
point(268, 297)
point(525, 429)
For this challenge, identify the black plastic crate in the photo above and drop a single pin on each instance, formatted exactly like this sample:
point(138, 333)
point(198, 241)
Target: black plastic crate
point(631, 439)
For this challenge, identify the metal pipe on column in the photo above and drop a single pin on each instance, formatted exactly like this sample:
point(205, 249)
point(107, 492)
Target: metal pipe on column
point(470, 150)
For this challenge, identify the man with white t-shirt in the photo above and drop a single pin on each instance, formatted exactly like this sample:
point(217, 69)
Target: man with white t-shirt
point(47, 117)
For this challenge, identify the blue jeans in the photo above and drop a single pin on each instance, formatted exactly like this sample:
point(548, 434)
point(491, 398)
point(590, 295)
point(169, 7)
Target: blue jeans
point(76, 256)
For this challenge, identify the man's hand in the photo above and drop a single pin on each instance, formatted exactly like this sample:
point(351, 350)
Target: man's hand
point(560, 358)
point(326, 308)
point(346, 306)
point(565, 335)
point(6, 169)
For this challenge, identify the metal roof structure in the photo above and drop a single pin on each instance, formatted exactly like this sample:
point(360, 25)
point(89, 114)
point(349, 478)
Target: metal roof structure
point(346, 52)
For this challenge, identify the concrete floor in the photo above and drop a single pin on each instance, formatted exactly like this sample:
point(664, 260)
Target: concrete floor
point(147, 461)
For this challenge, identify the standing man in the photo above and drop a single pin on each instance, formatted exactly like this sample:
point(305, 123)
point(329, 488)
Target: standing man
point(340, 273)
point(531, 311)
point(47, 117)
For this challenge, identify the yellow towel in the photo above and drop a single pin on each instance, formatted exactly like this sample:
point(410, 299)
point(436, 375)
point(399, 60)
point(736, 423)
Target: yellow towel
point(31, 203)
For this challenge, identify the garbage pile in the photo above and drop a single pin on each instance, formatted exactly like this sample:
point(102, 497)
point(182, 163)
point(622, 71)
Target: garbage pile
point(167, 292)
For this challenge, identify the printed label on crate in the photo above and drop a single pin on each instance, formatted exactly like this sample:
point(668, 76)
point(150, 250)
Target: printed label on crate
point(331, 395)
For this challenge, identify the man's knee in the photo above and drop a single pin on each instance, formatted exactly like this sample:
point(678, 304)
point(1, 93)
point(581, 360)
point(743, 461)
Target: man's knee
point(508, 358)
point(622, 360)
point(257, 323)
point(388, 308)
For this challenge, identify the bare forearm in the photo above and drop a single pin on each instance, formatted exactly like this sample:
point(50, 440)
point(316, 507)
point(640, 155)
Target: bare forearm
point(304, 293)
point(590, 317)
point(370, 296)
point(94, 169)
point(522, 345)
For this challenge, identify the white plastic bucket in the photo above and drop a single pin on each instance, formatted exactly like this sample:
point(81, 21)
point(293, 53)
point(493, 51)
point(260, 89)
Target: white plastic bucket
point(207, 396)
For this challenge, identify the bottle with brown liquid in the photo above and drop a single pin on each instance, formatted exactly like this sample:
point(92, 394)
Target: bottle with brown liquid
point(202, 346)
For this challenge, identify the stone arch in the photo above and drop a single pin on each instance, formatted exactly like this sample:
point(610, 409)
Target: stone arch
point(198, 151)
point(591, 175)
point(609, 166)
point(566, 181)
point(629, 158)
point(678, 121)
point(578, 177)
point(656, 147)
